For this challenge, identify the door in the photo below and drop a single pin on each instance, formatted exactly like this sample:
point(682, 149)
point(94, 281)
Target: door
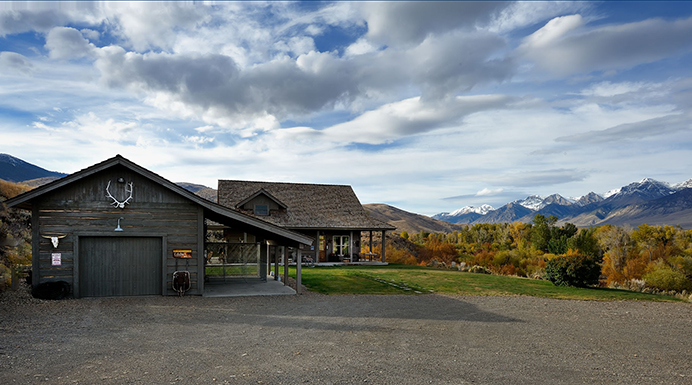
point(119, 266)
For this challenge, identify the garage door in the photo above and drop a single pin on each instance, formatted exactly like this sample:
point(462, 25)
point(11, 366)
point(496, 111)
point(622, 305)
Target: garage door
point(119, 266)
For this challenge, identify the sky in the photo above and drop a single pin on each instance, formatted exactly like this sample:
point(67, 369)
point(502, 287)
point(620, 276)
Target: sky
point(426, 106)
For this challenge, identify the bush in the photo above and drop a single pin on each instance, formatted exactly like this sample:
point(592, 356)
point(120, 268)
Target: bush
point(664, 277)
point(573, 270)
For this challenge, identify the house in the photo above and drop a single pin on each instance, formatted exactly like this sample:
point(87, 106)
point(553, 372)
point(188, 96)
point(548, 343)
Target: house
point(117, 229)
point(332, 214)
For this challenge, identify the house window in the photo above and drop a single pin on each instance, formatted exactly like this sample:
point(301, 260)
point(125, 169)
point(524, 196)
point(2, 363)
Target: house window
point(340, 244)
point(261, 210)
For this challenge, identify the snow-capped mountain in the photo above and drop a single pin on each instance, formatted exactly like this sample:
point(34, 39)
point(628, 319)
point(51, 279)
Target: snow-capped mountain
point(465, 214)
point(589, 209)
point(483, 209)
point(532, 202)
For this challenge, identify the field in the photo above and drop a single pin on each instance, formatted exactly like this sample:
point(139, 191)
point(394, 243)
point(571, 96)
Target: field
point(405, 279)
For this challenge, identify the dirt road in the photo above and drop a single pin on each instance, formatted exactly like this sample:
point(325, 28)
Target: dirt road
point(344, 340)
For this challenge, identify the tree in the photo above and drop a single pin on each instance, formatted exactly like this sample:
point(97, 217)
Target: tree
point(542, 231)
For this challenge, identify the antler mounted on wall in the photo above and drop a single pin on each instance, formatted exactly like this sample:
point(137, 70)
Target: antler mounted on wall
point(117, 203)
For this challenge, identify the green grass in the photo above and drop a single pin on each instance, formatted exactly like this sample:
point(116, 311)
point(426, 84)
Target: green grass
point(412, 279)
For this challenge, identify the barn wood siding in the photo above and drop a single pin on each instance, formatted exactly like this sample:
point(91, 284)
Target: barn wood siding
point(84, 208)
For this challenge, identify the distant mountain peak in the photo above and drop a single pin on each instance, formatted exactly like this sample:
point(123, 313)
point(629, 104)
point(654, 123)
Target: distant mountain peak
point(482, 210)
point(13, 169)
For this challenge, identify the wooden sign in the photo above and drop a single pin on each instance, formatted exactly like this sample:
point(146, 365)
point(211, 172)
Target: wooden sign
point(182, 253)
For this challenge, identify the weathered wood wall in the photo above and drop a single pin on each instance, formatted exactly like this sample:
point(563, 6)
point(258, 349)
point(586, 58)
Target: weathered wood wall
point(83, 209)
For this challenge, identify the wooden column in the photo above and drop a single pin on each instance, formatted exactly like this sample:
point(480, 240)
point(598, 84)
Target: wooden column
point(383, 242)
point(317, 247)
point(299, 263)
point(269, 259)
point(284, 256)
point(371, 250)
point(350, 246)
point(263, 260)
point(276, 263)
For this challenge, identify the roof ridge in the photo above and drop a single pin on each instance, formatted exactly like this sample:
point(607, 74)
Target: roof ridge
point(289, 183)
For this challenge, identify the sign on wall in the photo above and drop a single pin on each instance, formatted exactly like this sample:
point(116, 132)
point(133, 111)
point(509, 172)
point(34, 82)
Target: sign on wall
point(56, 259)
point(180, 253)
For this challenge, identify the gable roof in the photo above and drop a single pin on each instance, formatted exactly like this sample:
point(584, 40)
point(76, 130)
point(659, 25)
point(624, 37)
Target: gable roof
point(258, 193)
point(309, 206)
point(212, 210)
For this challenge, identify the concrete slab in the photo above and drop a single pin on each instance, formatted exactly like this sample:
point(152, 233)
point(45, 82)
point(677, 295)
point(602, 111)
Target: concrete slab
point(245, 286)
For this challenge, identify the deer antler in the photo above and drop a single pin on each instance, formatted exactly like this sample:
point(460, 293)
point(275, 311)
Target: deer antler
point(116, 203)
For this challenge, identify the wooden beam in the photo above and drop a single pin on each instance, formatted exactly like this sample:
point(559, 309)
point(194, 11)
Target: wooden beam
point(383, 242)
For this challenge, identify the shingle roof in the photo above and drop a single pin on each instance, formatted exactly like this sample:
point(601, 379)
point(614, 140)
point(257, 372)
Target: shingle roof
point(309, 206)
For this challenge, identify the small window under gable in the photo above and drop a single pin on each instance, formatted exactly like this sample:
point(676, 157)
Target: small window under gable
point(261, 210)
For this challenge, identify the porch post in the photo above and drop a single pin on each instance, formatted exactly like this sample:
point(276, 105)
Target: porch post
point(317, 247)
point(371, 250)
point(263, 260)
point(299, 262)
point(285, 259)
point(350, 246)
point(269, 260)
point(276, 263)
point(383, 241)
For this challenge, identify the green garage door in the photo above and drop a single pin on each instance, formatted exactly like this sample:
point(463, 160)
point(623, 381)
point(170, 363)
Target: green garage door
point(119, 266)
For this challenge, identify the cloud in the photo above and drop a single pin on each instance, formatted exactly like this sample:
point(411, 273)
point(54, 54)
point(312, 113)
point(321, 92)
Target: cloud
point(216, 88)
point(410, 117)
point(148, 25)
point(68, 43)
point(15, 62)
point(411, 22)
point(633, 131)
point(539, 178)
point(489, 192)
point(608, 89)
point(563, 47)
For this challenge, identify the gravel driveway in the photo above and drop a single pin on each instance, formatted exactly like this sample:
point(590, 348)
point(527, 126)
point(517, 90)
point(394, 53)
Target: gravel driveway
point(344, 340)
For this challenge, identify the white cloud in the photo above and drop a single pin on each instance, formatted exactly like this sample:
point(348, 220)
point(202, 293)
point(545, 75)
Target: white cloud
point(68, 43)
point(563, 48)
point(410, 117)
point(489, 192)
point(13, 61)
point(411, 22)
point(608, 89)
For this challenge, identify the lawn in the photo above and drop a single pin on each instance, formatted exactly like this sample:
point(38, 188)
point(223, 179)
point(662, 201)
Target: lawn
point(405, 279)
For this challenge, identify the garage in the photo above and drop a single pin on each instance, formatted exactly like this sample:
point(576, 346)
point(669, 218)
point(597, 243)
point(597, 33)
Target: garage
point(118, 229)
point(119, 266)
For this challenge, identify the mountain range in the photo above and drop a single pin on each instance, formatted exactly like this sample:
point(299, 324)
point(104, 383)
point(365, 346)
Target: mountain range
point(647, 201)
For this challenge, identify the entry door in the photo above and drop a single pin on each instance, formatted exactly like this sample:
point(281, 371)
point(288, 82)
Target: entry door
point(119, 266)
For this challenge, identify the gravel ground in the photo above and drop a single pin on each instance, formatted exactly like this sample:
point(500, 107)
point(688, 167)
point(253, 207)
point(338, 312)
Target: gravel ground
point(343, 340)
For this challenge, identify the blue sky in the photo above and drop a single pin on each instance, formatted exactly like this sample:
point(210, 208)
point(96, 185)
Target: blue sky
point(427, 106)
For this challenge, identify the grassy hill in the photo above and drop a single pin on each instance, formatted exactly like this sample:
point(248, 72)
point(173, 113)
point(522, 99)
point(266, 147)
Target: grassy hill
point(409, 222)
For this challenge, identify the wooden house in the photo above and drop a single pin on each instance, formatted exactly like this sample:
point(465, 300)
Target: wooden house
point(117, 229)
point(332, 214)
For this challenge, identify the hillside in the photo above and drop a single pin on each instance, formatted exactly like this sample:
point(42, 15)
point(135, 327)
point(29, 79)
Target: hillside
point(409, 222)
point(16, 170)
point(205, 192)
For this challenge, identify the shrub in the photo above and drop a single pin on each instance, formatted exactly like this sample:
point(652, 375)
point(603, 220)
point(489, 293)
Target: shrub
point(664, 277)
point(573, 270)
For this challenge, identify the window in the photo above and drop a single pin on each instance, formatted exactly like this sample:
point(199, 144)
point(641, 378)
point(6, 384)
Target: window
point(340, 244)
point(261, 210)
